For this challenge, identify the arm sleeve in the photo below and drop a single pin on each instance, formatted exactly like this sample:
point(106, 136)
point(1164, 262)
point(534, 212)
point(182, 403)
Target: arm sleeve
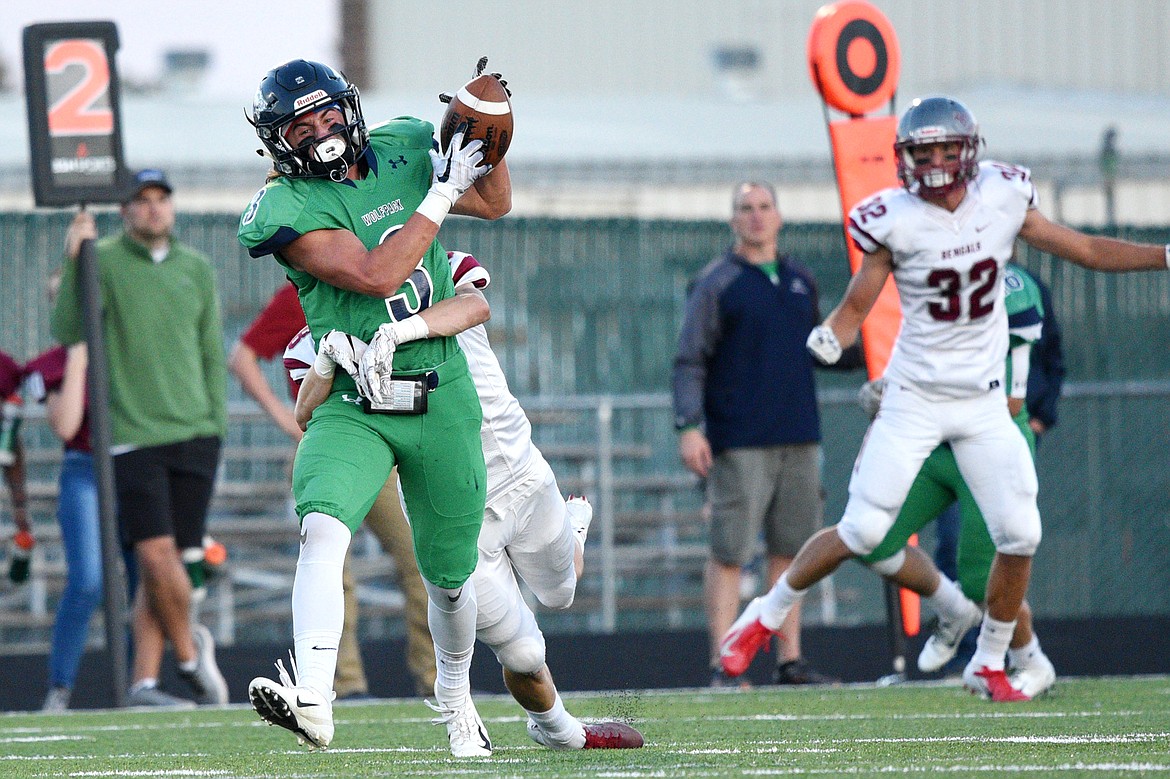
point(299, 355)
point(465, 269)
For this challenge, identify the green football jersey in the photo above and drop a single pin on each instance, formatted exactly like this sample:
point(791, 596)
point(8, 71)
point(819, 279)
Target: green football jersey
point(1025, 311)
point(399, 176)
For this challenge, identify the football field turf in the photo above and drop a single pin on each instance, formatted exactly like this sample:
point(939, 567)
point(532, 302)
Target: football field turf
point(1086, 727)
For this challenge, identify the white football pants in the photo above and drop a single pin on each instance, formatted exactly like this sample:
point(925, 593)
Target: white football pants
point(990, 451)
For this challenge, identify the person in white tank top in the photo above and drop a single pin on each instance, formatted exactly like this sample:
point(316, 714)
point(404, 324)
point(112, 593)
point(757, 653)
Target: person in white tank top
point(945, 236)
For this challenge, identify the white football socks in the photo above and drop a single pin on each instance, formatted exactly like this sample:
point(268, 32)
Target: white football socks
point(948, 600)
point(1025, 655)
point(451, 616)
point(777, 602)
point(560, 725)
point(318, 602)
point(994, 637)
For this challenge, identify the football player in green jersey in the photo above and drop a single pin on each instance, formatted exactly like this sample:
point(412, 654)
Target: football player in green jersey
point(352, 215)
point(939, 484)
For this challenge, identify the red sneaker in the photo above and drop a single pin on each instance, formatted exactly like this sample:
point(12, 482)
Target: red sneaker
point(744, 640)
point(612, 735)
point(993, 685)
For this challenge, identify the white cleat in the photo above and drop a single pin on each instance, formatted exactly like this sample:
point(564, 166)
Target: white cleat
point(944, 641)
point(465, 730)
point(599, 735)
point(546, 739)
point(303, 710)
point(205, 680)
point(1036, 678)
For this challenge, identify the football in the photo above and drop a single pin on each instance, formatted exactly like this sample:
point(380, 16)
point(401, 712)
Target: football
point(484, 105)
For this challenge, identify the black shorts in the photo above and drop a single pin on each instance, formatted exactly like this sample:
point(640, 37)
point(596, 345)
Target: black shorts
point(165, 491)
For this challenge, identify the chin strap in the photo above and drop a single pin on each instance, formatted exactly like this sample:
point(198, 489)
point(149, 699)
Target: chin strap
point(338, 174)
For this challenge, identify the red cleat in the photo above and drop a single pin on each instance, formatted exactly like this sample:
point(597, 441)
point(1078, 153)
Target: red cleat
point(612, 735)
point(993, 685)
point(744, 640)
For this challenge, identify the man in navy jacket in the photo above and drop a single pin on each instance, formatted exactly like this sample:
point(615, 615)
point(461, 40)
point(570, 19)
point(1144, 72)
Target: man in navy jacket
point(746, 411)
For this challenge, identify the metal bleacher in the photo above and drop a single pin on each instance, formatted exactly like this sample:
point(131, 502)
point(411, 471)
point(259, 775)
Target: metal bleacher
point(647, 543)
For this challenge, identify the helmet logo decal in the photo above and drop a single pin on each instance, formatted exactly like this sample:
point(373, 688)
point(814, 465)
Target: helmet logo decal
point(928, 122)
point(312, 97)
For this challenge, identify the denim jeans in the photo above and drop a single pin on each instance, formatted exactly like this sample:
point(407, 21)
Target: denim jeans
point(77, 513)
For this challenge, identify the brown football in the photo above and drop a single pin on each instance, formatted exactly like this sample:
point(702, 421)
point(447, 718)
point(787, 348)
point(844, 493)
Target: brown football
point(484, 105)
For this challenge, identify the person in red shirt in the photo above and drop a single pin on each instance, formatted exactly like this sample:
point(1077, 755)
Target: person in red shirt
point(265, 339)
point(12, 460)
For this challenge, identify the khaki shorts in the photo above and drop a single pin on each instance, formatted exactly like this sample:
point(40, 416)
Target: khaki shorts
point(774, 489)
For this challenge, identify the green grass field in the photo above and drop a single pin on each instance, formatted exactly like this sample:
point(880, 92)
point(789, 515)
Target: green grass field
point(1086, 727)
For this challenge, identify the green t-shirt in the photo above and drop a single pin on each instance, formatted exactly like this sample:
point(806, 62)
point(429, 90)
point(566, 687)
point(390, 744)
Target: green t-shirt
point(399, 176)
point(164, 341)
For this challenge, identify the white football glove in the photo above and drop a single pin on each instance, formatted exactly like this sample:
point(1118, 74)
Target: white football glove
point(458, 168)
point(342, 349)
point(823, 344)
point(870, 396)
point(377, 363)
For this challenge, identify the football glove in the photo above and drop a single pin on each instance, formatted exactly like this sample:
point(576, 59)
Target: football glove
point(870, 396)
point(345, 350)
point(458, 168)
point(823, 344)
point(377, 363)
point(342, 349)
point(480, 67)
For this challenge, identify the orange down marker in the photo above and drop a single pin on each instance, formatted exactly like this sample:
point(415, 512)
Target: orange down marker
point(854, 62)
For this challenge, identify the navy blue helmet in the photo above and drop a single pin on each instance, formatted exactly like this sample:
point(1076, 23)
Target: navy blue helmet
point(301, 87)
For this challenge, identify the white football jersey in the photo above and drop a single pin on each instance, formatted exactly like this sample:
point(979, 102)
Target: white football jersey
point(948, 268)
point(508, 451)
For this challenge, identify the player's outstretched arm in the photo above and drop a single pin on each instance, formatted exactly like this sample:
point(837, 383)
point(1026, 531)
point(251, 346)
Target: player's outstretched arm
point(864, 288)
point(453, 315)
point(1092, 251)
point(490, 197)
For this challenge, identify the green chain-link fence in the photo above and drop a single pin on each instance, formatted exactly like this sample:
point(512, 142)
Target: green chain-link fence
point(594, 306)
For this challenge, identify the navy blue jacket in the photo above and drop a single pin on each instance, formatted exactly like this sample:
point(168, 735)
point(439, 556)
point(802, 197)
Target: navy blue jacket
point(1046, 374)
point(742, 370)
